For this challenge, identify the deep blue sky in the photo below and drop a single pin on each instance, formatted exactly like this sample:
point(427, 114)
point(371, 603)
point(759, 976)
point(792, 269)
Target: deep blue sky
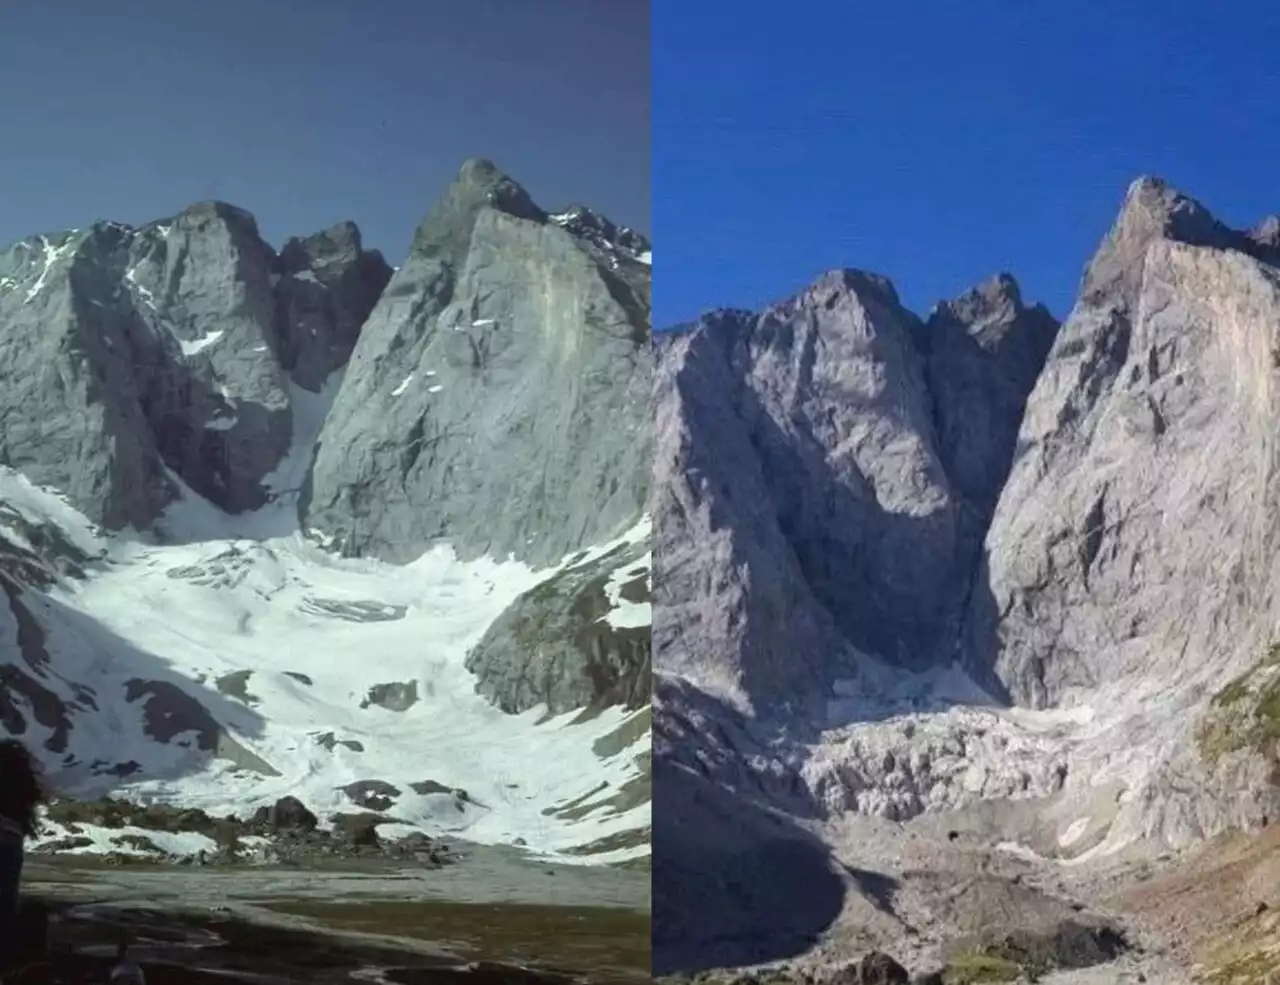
point(307, 112)
point(939, 141)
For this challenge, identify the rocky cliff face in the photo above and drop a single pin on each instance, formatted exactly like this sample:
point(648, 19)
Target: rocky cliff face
point(497, 397)
point(824, 470)
point(1136, 531)
point(133, 356)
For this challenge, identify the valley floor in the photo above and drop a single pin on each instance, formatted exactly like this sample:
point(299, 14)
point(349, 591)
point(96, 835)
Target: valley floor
point(376, 924)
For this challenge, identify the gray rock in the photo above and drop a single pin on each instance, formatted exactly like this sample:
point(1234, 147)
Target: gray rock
point(286, 814)
point(557, 646)
point(1122, 538)
point(504, 348)
point(328, 286)
point(68, 395)
point(394, 696)
point(1126, 463)
point(134, 356)
point(984, 353)
point(800, 498)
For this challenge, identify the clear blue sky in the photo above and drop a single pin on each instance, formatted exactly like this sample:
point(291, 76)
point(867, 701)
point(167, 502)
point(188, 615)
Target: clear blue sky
point(939, 141)
point(307, 112)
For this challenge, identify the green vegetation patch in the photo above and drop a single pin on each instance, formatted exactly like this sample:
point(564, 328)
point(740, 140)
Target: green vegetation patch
point(604, 943)
point(1246, 713)
point(980, 966)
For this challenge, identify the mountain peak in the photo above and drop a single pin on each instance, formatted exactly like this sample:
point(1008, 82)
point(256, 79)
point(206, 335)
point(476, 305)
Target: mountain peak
point(1152, 210)
point(483, 182)
point(838, 282)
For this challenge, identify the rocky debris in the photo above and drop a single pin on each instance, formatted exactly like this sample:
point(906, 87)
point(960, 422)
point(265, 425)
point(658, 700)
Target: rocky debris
point(36, 553)
point(286, 832)
point(876, 968)
point(358, 830)
point(504, 347)
point(569, 642)
point(155, 356)
point(329, 741)
point(169, 711)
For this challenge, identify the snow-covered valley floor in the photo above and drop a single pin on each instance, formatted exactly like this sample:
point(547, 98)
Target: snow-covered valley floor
point(318, 671)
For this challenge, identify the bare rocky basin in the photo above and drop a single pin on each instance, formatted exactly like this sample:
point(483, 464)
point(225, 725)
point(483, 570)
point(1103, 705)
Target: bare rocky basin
point(496, 917)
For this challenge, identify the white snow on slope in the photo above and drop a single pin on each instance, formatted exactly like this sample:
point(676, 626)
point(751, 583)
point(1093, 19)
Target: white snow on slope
point(148, 298)
point(624, 614)
point(260, 607)
point(191, 346)
point(310, 634)
point(51, 255)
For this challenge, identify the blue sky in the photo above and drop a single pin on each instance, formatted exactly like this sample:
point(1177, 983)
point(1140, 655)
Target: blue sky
point(939, 141)
point(307, 112)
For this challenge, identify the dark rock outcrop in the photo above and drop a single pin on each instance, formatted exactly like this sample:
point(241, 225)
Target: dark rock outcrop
point(560, 644)
point(286, 814)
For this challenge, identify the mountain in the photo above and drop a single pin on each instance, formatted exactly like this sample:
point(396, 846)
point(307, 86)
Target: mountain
point(938, 598)
point(300, 523)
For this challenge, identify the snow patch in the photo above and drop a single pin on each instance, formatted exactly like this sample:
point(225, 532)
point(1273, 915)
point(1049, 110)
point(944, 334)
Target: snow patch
point(404, 385)
point(624, 614)
point(51, 255)
point(191, 347)
point(148, 298)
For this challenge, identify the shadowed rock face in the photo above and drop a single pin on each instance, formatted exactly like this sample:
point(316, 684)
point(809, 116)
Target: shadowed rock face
point(130, 355)
point(497, 397)
point(328, 285)
point(983, 353)
point(804, 503)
